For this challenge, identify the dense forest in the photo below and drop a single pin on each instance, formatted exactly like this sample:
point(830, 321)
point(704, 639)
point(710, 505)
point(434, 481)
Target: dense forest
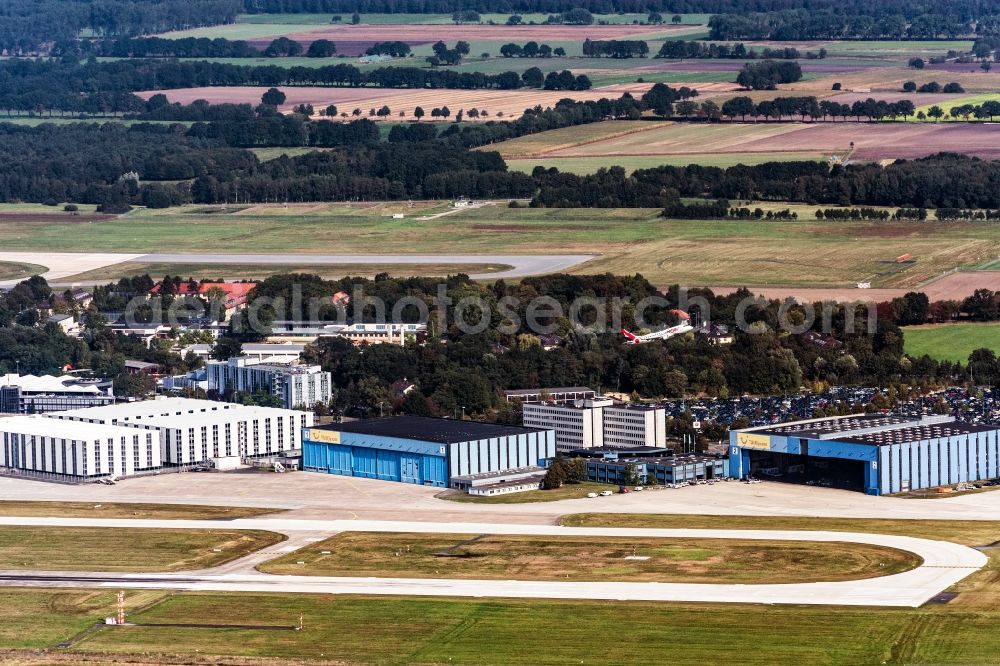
point(114, 166)
point(47, 86)
point(807, 24)
point(945, 180)
point(30, 26)
point(963, 8)
point(456, 368)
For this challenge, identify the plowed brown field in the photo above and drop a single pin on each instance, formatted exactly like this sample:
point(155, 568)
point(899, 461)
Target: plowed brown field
point(955, 286)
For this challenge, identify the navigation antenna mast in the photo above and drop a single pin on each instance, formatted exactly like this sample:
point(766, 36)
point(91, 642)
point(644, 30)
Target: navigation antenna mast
point(121, 608)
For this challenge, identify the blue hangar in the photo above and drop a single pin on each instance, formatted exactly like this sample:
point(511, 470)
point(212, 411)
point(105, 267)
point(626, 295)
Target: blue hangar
point(873, 453)
point(422, 450)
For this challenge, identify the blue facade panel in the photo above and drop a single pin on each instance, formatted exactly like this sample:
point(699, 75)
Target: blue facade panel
point(891, 467)
point(388, 465)
point(422, 462)
point(338, 459)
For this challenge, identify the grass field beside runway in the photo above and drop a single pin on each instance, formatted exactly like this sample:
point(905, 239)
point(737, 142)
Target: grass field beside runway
point(588, 558)
point(261, 271)
point(513, 632)
point(798, 253)
point(408, 631)
point(148, 550)
point(128, 510)
point(14, 270)
point(981, 591)
point(950, 342)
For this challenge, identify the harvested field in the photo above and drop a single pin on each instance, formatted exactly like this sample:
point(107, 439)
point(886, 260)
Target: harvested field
point(891, 79)
point(511, 103)
point(679, 138)
point(534, 145)
point(954, 67)
point(872, 141)
point(954, 286)
point(726, 65)
point(479, 33)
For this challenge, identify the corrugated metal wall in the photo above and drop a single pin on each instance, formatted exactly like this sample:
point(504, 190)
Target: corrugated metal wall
point(369, 463)
point(425, 463)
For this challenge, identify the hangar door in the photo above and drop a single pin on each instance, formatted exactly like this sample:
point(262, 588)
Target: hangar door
point(810, 470)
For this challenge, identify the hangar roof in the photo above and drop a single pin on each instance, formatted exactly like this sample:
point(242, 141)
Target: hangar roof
point(917, 433)
point(878, 429)
point(815, 428)
point(428, 429)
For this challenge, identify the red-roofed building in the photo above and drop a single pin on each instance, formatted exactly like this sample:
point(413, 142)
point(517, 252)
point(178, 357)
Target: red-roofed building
point(236, 293)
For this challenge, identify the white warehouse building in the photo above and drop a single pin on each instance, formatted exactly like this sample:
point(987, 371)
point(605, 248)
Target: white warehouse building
point(247, 432)
point(133, 438)
point(43, 446)
point(598, 422)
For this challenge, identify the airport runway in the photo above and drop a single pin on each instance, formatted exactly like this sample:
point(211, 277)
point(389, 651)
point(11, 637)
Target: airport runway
point(62, 265)
point(944, 564)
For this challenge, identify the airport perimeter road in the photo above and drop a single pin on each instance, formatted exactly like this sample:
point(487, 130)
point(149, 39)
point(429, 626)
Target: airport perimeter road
point(944, 564)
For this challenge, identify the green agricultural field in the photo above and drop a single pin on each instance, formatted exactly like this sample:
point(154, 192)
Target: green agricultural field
point(950, 342)
point(585, 165)
point(40, 208)
point(888, 48)
point(723, 252)
point(246, 31)
point(99, 549)
point(958, 100)
point(268, 154)
point(35, 121)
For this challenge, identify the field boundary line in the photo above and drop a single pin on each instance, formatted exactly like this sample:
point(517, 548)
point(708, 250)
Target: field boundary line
point(570, 146)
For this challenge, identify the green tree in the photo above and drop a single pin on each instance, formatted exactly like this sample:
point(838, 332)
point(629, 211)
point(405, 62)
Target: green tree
point(273, 97)
point(556, 475)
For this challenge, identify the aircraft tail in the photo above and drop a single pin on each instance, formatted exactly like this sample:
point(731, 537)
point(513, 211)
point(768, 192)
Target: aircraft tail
point(631, 336)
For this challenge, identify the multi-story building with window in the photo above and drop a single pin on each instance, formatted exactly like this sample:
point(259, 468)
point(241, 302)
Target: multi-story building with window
point(295, 385)
point(598, 422)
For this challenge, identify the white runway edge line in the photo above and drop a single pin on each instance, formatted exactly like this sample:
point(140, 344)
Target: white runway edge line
point(944, 564)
